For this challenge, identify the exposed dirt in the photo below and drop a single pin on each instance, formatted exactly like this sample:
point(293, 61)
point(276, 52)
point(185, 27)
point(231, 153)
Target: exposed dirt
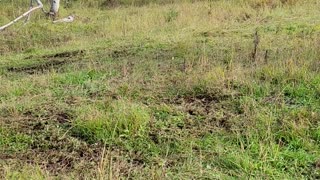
point(59, 55)
point(54, 150)
point(65, 54)
point(205, 113)
point(56, 153)
point(39, 68)
point(154, 137)
point(57, 156)
point(52, 61)
point(50, 148)
point(124, 52)
point(49, 113)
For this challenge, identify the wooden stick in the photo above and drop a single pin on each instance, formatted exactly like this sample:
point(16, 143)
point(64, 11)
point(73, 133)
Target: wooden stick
point(68, 19)
point(256, 44)
point(40, 5)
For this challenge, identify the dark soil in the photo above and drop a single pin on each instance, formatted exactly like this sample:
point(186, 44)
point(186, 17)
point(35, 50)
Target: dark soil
point(52, 61)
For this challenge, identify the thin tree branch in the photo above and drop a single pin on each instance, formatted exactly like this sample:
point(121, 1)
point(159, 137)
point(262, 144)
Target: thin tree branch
point(31, 6)
point(28, 17)
point(68, 19)
point(40, 5)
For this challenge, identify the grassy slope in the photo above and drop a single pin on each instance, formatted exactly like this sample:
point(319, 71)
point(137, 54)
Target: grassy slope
point(166, 91)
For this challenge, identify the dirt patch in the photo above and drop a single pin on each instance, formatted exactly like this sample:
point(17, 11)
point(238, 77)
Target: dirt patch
point(205, 112)
point(58, 156)
point(80, 162)
point(39, 68)
point(70, 155)
point(66, 54)
point(49, 113)
point(51, 147)
point(56, 151)
point(200, 104)
point(63, 117)
point(154, 137)
point(125, 52)
point(52, 61)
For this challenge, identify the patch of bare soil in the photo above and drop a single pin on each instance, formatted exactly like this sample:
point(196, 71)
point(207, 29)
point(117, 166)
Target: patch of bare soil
point(58, 152)
point(66, 54)
point(206, 112)
point(52, 61)
point(51, 148)
point(122, 52)
point(39, 68)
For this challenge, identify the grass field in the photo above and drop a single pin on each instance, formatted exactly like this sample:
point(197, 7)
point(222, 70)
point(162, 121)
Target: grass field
point(162, 90)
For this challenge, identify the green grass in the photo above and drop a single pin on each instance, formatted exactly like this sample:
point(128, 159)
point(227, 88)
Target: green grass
point(162, 90)
point(14, 142)
point(118, 119)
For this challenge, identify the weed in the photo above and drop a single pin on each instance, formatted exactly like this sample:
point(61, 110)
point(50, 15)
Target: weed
point(120, 119)
point(171, 15)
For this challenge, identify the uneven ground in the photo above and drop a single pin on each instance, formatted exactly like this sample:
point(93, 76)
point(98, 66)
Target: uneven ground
point(168, 90)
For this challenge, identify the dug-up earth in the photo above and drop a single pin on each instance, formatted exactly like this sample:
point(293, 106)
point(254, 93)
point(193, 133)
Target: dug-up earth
point(162, 90)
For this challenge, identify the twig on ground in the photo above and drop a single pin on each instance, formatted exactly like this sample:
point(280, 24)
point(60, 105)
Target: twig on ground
point(65, 20)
